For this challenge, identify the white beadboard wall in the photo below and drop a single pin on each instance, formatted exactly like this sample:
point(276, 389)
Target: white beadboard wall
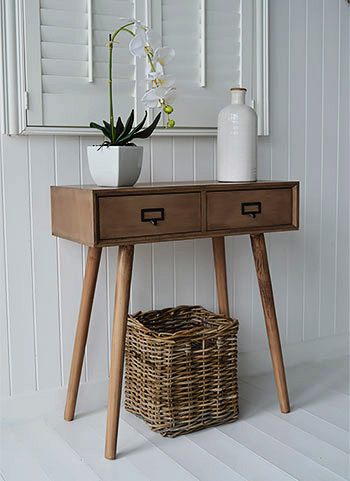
point(41, 276)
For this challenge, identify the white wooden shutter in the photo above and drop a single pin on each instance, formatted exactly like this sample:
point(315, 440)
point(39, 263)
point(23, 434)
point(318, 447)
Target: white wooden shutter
point(57, 62)
point(205, 68)
point(218, 43)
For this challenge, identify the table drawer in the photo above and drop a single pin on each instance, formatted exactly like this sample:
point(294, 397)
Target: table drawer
point(249, 208)
point(147, 215)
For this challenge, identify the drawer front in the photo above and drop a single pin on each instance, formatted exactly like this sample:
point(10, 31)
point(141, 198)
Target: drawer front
point(147, 215)
point(249, 208)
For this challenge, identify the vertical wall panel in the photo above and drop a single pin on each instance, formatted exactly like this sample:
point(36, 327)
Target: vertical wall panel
point(5, 370)
point(70, 261)
point(258, 334)
point(296, 147)
point(19, 274)
point(242, 281)
point(163, 252)
point(145, 175)
point(45, 286)
point(97, 343)
point(142, 292)
point(329, 167)
point(342, 294)
point(204, 264)
point(279, 109)
point(312, 201)
point(264, 158)
point(184, 250)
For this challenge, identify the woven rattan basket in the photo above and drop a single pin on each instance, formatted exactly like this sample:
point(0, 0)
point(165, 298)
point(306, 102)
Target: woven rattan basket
point(181, 369)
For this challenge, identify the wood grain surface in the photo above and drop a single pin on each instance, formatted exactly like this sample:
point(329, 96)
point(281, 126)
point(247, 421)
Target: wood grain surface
point(112, 216)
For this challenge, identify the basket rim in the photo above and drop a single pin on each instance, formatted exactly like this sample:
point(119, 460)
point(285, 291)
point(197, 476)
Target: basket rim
point(219, 326)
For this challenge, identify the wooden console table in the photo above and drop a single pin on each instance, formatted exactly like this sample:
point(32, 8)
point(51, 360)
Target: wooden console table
point(125, 216)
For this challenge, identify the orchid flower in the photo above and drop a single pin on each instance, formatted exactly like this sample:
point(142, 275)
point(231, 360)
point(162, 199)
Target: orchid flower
point(158, 97)
point(160, 80)
point(163, 55)
point(153, 70)
point(145, 43)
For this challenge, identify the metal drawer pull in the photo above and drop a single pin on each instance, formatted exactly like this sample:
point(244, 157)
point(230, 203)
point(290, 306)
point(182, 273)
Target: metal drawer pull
point(251, 208)
point(152, 215)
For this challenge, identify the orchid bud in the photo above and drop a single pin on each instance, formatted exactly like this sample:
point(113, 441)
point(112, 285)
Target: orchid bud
point(168, 109)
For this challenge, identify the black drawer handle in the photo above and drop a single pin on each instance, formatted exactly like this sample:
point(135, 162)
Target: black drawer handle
point(152, 215)
point(251, 208)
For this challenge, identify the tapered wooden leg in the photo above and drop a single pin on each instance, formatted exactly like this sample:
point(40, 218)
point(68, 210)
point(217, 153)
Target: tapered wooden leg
point(220, 271)
point(122, 294)
point(265, 286)
point(87, 298)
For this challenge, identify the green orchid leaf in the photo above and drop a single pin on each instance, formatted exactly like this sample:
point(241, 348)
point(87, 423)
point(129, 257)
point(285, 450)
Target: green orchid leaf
point(93, 125)
point(119, 127)
point(108, 127)
point(141, 124)
point(105, 132)
point(134, 131)
point(106, 143)
point(143, 134)
point(128, 126)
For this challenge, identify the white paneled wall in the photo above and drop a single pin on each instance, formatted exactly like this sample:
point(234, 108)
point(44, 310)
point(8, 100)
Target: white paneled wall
point(309, 141)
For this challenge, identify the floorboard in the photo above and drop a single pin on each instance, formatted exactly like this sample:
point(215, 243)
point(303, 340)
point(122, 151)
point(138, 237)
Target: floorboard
point(309, 444)
point(321, 429)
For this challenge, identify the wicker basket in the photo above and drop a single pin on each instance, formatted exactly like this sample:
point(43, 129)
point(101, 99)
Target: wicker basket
point(181, 369)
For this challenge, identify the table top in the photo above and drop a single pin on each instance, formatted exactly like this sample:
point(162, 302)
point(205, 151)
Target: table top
point(184, 186)
point(163, 211)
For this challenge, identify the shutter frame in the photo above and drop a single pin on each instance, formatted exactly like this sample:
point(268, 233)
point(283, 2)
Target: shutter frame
point(14, 78)
point(63, 95)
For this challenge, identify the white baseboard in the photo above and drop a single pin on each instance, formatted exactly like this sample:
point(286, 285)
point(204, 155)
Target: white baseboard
point(93, 396)
point(258, 362)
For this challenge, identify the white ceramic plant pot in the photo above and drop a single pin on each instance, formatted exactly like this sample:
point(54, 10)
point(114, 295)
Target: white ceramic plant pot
point(115, 166)
point(237, 141)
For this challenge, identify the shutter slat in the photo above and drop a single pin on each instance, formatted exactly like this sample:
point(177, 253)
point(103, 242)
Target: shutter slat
point(63, 35)
point(71, 36)
point(113, 7)
point(74, 68)
point(64, 67)
point(64, 18)
point(64, 51)
point(64, 85)
point(63, 110)
point(52, 50)
point(110, 23)
point(69, 5)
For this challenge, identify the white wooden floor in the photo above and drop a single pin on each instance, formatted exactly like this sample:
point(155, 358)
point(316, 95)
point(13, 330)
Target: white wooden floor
point(309, 444)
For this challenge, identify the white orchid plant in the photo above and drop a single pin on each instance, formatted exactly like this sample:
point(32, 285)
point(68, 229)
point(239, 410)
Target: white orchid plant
point(146, 43)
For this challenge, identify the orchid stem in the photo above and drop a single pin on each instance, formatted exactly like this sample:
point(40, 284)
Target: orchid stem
point(111, 39)
point(150, 61)
point(111, 117)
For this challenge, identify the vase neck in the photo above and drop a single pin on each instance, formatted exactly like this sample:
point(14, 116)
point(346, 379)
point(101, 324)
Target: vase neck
point(238, 96)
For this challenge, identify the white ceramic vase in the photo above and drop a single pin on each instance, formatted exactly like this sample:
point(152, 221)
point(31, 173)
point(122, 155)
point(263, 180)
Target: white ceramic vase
point(237, 140)
point(115, 166)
